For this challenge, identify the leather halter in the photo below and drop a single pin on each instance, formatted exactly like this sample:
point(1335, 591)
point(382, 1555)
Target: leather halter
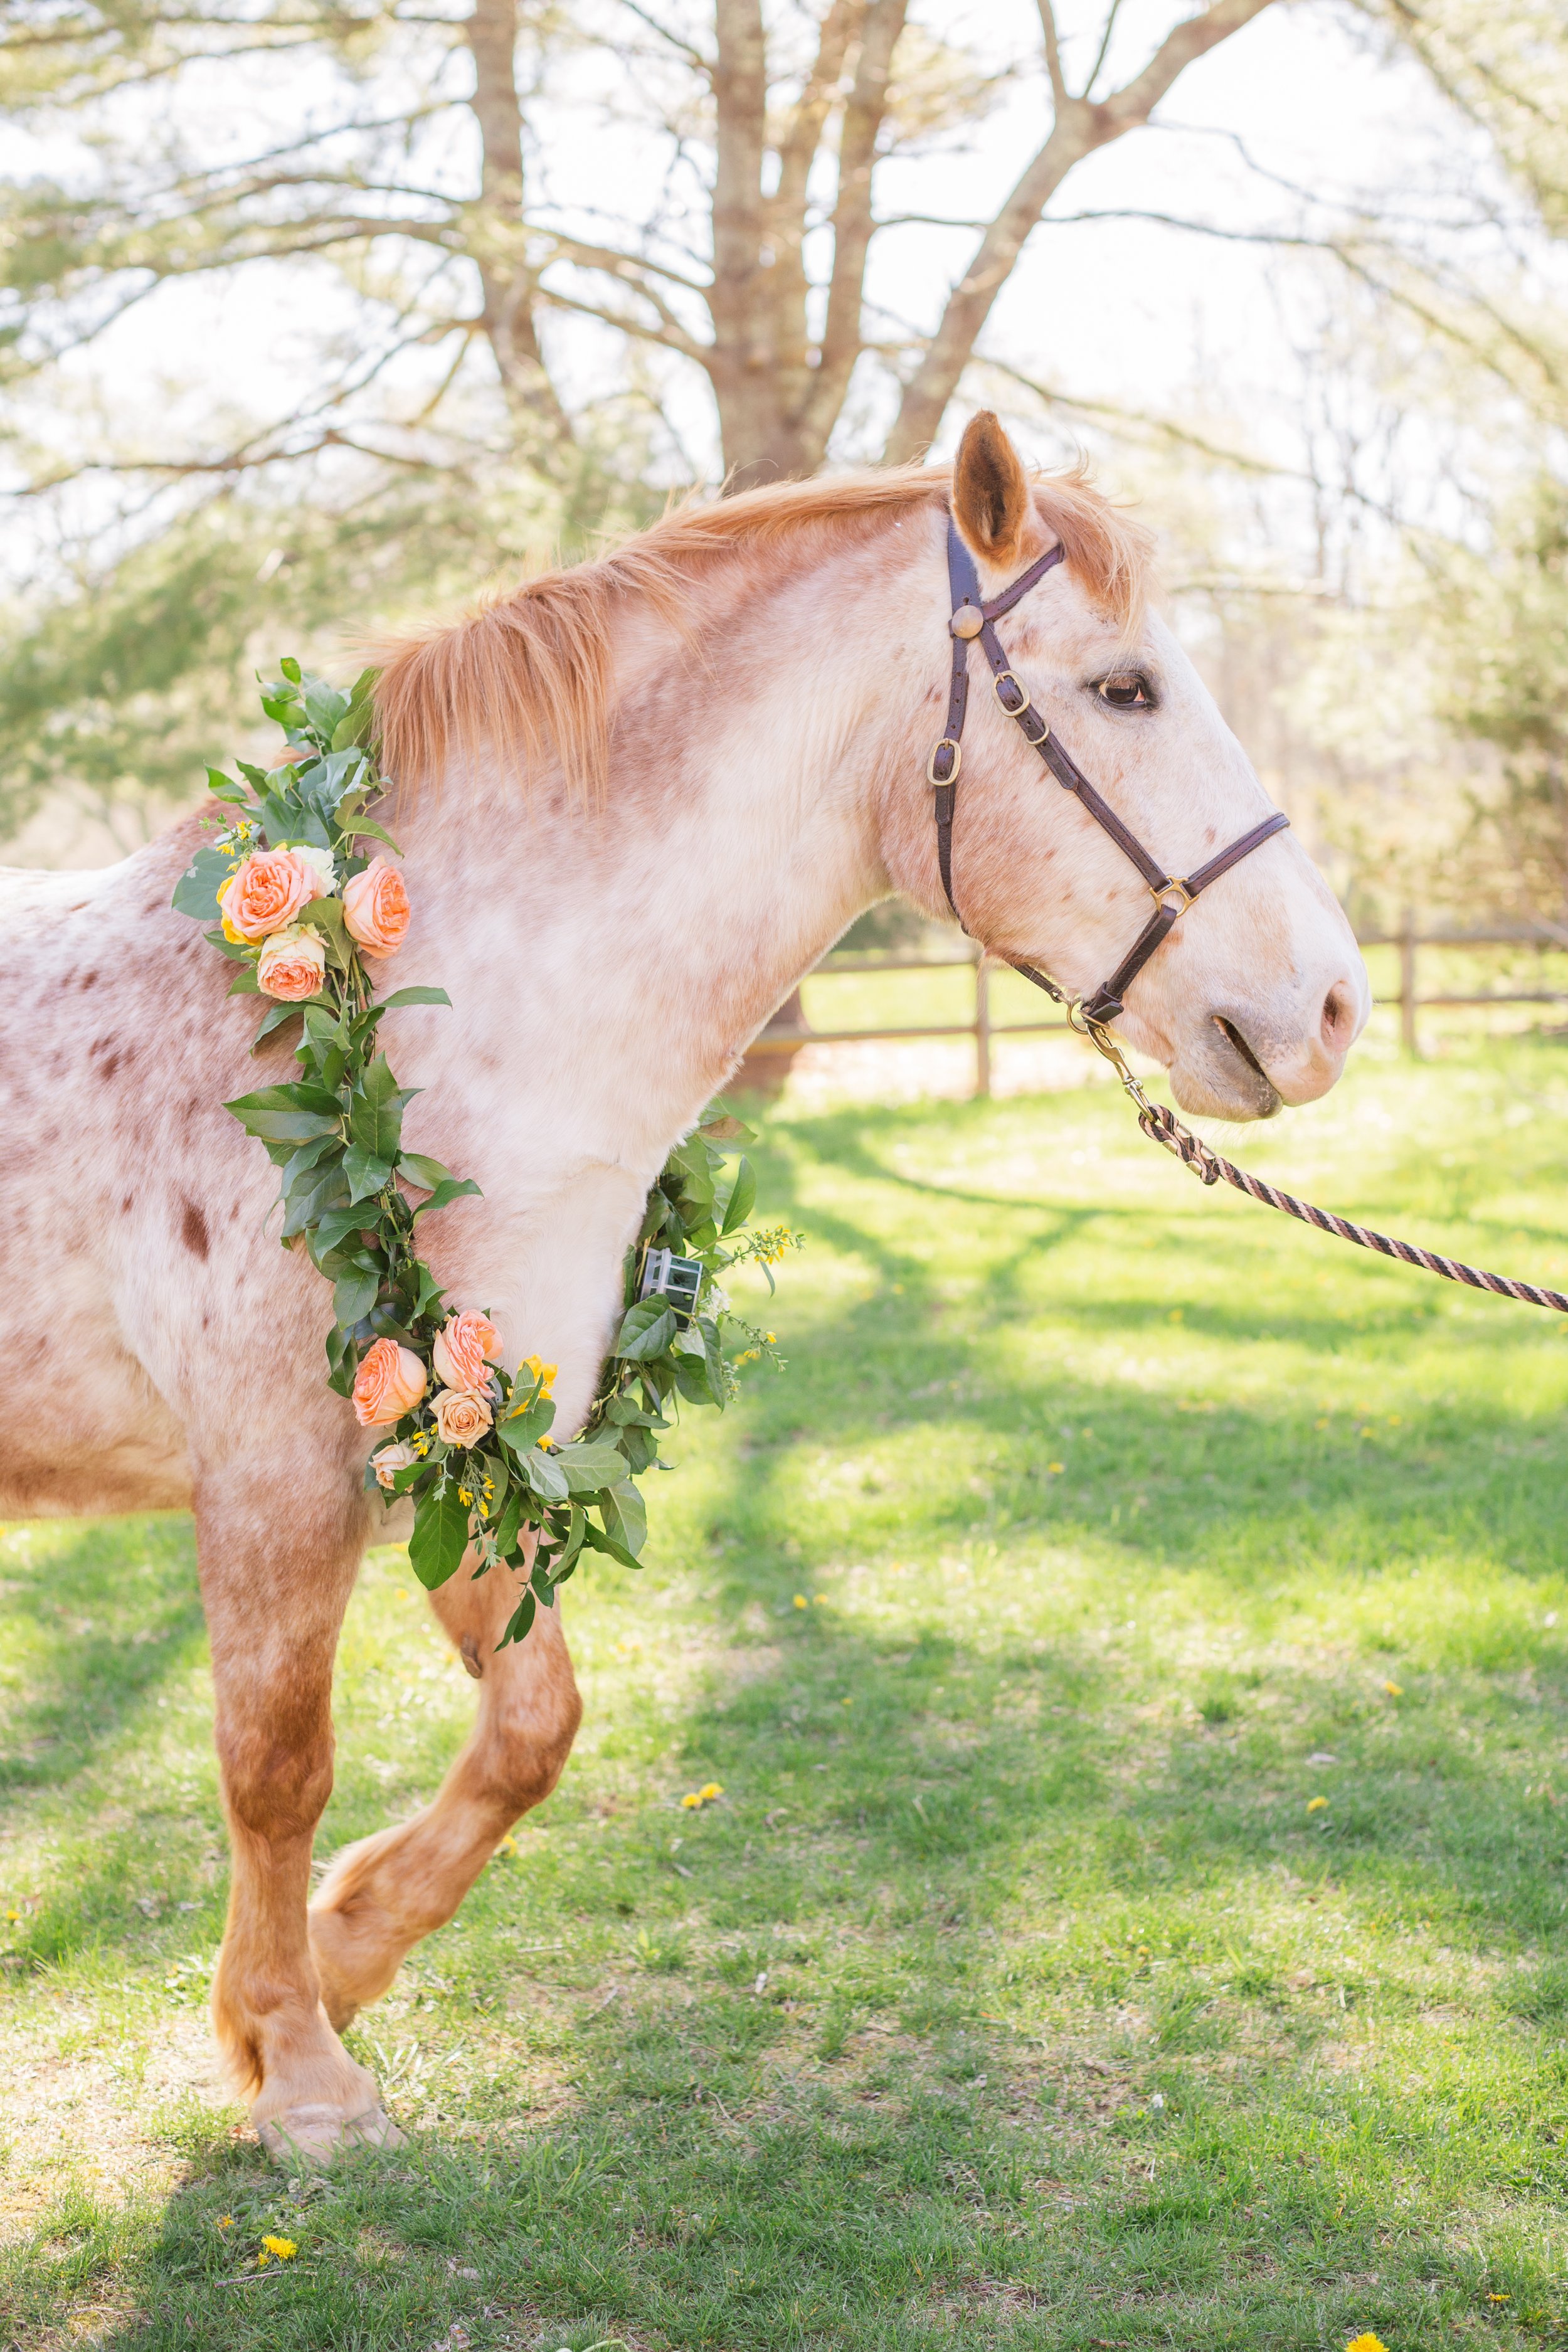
point(1171, 894)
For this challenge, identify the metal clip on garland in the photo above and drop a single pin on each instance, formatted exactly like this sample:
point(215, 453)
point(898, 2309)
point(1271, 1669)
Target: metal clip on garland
point(974, 619)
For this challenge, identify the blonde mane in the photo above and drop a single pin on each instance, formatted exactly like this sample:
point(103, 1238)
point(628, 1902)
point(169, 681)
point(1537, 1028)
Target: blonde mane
point(532, 668)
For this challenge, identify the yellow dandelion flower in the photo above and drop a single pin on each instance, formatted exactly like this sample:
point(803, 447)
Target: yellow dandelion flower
point(709, 1793)
point(1054, 1469)
point(1395, 1690)
point(691, 1801)
point(284, 2248)
point(1316, 1804)
point(225, 2221)
point(801, 1602)
point(1367, 2343)
point(507, 1844)
point(848, 1702)
point(1500, 2298)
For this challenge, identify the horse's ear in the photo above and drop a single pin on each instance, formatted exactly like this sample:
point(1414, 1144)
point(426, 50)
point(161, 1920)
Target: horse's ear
point(991, 500)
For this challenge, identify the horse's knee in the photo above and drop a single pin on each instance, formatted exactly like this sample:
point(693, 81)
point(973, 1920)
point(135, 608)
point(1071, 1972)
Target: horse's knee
point(276, 1782)
point(522, 1748)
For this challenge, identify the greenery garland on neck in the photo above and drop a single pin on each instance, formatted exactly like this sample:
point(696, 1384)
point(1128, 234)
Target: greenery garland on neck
point(299, 897)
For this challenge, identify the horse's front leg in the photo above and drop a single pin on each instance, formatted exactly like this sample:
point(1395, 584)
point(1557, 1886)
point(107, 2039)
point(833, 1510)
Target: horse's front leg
point(277, 1559)
point(384, 1894)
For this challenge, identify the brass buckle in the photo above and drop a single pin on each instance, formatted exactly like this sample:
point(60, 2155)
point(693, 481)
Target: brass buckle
point(947, 745)
point(1162, 892)
point(1005, 677)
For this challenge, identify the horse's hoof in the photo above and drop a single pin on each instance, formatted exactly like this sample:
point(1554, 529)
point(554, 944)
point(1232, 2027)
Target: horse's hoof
point(313, 2135)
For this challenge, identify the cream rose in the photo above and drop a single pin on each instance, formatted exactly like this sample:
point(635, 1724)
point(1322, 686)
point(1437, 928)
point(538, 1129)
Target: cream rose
point(376, 908)
point(464, 1350)
point(460, 1419)
point(390, 1382)
point(292, 966)
point(267, 890)
point(390, 1461)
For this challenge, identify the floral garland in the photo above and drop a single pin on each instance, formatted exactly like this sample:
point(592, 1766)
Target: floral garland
point(304, 910)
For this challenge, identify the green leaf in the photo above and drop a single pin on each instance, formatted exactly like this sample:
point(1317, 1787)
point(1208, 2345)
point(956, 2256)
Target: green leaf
point(609, 1546)
point(510, 1520)
point(359, 827)
point(589, 1465)
point(243, 984)
point(335, 1230)
point(647, 1330)
point(273, 1018)
point(522, 1430)
point(223, 788)
point(450, 1189)
point(196, 892)
point(375, 1110)
point(290, 669)
point(324, 705)
point(742, 1197)
point(626, 1515)
point(307, 1197)
point(420, 1170)
point(440, 1536)
point(542, 1473)
point(281, 1121)
point(353, 1296)
point(415, 997)
point(366, 1174)
point(521, 1621)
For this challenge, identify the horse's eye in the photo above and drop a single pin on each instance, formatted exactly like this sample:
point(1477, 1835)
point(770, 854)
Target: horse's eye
point(1126, 689)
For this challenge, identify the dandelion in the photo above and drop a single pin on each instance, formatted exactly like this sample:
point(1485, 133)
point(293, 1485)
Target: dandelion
point(1395, 1690)
point(225, 2221)
point(1500, 2298)
point(1054, 1469)
point(1367, 2343)
point(801, 1602)
point(709, 1793)
point(284, 2248)
point(848, 1702)
point(690, 1802)
point(507, 1845)
point(1316, 1804)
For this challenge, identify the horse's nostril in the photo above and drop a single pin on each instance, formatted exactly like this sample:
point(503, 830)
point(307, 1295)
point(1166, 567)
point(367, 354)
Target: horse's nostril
point(1339, 1017)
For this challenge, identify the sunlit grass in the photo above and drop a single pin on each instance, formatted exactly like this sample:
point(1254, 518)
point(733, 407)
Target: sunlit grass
point(1130, 1643)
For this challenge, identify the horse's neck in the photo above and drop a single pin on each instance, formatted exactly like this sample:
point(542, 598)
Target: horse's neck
point(617, 960)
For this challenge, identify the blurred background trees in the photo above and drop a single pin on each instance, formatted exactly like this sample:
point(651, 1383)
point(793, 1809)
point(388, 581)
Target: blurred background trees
point(319, 315)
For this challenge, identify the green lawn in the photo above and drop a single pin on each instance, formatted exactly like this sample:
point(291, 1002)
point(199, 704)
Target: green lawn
point(1019, 1991)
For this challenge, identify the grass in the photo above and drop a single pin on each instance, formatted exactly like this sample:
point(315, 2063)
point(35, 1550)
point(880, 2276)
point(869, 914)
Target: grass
point(1019, 1991)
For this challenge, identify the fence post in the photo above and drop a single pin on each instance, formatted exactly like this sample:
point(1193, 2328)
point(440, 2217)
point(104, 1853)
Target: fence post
point(1408, 984)
point(982, 1027)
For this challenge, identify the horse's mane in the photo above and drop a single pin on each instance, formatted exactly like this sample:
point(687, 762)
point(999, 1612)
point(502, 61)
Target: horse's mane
point(532, 667)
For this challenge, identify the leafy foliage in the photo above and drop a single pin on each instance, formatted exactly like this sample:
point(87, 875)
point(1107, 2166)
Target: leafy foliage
point(336, 1133)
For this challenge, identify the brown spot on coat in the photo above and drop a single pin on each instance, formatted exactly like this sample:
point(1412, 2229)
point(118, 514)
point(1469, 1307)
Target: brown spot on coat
point(194, 1229)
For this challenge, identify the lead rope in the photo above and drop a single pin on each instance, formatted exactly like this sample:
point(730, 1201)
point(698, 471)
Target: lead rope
point(1161, 1126)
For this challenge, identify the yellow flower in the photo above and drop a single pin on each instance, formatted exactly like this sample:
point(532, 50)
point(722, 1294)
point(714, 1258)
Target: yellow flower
point(284, 2248)
point(1054, 1469)
point(225, 2221)
point(546, 1446)
point(1500, 2298)
point(689, 1803)
point(544, 1374)
point(507, 1844)
point(1316, 1804)
point(1367, 2343)
point(1395, 1690)
point(708, 1795)
point(801, 1602)
point(770, 1336)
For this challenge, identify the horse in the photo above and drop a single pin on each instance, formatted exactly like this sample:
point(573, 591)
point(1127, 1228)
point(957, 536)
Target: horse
point(636, 799)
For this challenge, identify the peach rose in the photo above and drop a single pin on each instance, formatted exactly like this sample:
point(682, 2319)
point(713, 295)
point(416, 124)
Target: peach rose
point(390, 1382)
point(463, 1350)
point(292, 966)
point(460, 1419)
point(390, 1461)
point(376, 908)
point(266, 891)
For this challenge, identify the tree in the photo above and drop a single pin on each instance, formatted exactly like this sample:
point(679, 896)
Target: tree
point(751, 268)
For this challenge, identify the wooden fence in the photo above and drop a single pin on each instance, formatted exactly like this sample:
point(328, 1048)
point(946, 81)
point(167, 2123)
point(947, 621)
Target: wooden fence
point(789, 1037)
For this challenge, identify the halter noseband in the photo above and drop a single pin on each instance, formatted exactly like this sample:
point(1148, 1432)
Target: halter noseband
point(1171, 894)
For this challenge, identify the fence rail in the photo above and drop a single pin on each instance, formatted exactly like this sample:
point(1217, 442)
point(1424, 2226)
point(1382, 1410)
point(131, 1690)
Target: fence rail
point(788, 1039)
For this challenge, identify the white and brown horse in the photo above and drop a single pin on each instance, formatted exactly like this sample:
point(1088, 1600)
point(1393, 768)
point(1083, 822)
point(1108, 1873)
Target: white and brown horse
point(637, 801)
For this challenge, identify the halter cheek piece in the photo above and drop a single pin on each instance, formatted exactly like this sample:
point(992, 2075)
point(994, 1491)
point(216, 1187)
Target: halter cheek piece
point(1171, 894)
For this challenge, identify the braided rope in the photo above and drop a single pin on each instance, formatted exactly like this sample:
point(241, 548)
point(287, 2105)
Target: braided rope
point(1161, 1126)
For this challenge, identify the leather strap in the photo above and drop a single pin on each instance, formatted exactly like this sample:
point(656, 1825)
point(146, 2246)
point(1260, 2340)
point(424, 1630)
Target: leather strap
point(1173, 893)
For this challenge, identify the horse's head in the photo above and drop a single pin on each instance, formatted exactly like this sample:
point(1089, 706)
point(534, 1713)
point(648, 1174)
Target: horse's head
point(1258, 990)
